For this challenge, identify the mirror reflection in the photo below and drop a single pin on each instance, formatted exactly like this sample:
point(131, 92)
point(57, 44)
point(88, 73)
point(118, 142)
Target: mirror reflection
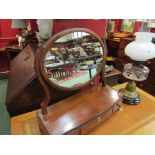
point(73, 59)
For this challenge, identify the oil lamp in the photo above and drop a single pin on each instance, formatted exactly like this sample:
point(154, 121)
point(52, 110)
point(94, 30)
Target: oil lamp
point(140, 50)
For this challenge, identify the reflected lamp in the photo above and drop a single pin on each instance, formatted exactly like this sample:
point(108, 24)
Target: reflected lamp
point(20, 24)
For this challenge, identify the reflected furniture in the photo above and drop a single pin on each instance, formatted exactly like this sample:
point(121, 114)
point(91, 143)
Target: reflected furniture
point(112, 46)
point(12, 51)
point(112, 77)
point(89, 68)
point(129, 120)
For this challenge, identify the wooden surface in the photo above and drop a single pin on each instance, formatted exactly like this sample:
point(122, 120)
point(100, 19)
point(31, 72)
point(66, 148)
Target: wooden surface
point(85, 110)
point(21, 95)
point(113, 73)
point(131, 119)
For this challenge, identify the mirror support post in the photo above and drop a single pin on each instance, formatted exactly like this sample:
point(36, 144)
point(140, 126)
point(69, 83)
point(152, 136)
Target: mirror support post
point(46, 99)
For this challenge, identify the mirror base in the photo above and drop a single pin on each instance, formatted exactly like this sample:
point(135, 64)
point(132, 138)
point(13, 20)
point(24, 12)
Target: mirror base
point(80, 113)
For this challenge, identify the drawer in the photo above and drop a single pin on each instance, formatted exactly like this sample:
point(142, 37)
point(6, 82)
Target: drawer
point(95, 122)
point(75, 132)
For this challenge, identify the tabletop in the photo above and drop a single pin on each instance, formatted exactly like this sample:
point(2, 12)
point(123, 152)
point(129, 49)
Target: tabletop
point(130, 119)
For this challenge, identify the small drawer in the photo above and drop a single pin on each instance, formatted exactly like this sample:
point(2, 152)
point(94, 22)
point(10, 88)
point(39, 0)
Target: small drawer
point(75, 132)
point(89, 126)
point(95, 122)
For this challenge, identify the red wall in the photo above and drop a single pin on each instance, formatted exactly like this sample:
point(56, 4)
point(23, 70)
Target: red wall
point(7, 32)
point(97, 26)
point(5, 29)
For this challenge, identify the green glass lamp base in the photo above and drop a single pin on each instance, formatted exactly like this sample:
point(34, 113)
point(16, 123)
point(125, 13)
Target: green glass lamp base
point(131, 96)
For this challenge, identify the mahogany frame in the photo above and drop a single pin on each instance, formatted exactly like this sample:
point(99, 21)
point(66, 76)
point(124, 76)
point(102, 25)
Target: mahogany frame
point(42, 76)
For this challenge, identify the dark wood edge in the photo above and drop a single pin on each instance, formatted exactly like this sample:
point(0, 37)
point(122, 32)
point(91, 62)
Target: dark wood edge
point(8, 100)
point(42, 128)
point(46, 98)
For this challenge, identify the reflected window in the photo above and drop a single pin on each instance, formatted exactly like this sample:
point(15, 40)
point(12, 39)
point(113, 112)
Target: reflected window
point(79, 34)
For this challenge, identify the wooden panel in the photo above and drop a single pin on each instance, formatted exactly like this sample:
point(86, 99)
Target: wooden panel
point(77, 110)
point(94, 123)
point(21, 72)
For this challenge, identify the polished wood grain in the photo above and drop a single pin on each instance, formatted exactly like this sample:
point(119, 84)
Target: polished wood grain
point(131, 119)
point(80, 110)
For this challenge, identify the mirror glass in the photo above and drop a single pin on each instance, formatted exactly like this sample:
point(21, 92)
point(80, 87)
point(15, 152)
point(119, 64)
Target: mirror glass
point(73, 59)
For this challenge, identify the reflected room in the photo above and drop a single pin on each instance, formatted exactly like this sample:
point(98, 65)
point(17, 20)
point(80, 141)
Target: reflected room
point(73, 59)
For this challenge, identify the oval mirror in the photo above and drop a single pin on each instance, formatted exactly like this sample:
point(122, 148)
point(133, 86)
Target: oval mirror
point(72, 59)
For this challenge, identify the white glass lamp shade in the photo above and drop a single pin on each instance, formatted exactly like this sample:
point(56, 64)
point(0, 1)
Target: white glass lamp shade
point(45, 27)
point(142, 48)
